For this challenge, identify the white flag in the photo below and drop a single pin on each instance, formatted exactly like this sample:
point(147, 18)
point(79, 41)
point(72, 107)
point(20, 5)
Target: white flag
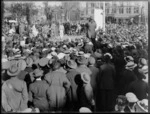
point(98, 17)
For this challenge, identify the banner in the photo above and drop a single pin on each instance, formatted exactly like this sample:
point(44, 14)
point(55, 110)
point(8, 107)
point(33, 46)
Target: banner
point(99, 18)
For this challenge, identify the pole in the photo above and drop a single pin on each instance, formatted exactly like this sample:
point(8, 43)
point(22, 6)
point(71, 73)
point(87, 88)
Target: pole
point(103, 16)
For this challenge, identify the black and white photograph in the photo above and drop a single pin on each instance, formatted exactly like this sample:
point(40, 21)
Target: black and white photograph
point(74, 56)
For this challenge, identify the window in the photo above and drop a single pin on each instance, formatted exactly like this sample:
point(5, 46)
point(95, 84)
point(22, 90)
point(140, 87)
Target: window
point(92, 5)
point(114, 10)
point(136, 10)
point(129, 9)
point(121, 10)
point(107, 10)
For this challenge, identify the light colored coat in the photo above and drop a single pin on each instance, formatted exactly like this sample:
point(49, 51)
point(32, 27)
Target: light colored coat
point(14, 95)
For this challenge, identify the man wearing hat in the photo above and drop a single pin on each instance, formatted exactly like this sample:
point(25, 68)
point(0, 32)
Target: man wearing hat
point(38, 92)
point(121, 103)
point(71, 75)
point(106, 85)
point(14, 90)
point(85, 92)
point(139, 87)
point(128, 76)
point(91, 33)
point(82, 65)
point(88, 48)
point(95, 73)
point(59, 86)
point(132, 101)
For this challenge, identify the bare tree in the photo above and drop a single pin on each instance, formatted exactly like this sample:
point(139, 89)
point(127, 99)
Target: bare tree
point(23, 9)
point(48, 12)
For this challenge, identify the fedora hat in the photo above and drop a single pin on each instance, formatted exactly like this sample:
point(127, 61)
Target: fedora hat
point(91, 60)
point(82, 60)
point(29, 61)
point(143, 70)
point(80, 44)
point(61, 55)
point(142, 62)
point(67, 51)
point(37, 73)
point(142, 106)
point(131, 97)
point(53, 48)
point(85, 110)
point(80, 53)
point(130, 65)
point(43, 62)
point(14, 69)
point(97, 54)
point(129, 58)
point(53, 53)
point(49, 56)
point(85, 77)
point(22, 64)
point(5, 65)
point(72, 64)
point(108, 55)
point(87, 55)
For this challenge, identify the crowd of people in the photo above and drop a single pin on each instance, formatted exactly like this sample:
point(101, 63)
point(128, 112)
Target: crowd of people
point(100, 72)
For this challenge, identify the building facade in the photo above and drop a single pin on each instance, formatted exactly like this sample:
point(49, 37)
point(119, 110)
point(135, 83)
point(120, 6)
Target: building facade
point(120, 11)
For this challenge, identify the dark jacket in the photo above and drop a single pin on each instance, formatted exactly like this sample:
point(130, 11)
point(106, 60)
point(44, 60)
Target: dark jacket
point(71, 75)
point(127, 77)
point(95, 74)
point(106, 79)
point(91, 26)
point(85, 94)
point(140, 89)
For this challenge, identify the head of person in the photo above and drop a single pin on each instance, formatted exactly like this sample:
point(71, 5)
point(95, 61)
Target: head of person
point(121, 103)
point(38, 73)
point(56, 65)
point(142, 62)
point(107, 57)
point(131, 98)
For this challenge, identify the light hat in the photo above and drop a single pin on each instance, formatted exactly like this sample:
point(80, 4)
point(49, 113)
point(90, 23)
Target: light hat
point(131, 97)
point(22, 64)
point(14, 69)
point(61, 55)
point(85, 110)
point(130, 65)
point(85, 77)
point(108, 55)
point(72, 64)
point(43, 62)
point(142, 106)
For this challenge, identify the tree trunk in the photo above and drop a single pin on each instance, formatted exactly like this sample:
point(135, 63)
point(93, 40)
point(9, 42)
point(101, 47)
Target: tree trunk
point(28, 14)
